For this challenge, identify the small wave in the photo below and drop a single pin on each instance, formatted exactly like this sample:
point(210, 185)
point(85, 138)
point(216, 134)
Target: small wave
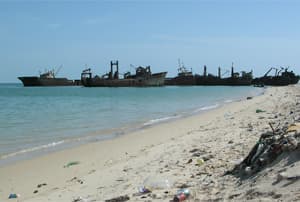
point(207, 107)
point(228, 101)
point(53, 144)
point(159, 120)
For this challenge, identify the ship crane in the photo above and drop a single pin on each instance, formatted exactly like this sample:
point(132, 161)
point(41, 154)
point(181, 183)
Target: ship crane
point(59, 68)
point(266, 74)
point(281, 68)
point(226, 72)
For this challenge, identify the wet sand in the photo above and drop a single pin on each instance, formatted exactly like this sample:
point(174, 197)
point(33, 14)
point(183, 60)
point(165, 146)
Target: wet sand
point(192, 152)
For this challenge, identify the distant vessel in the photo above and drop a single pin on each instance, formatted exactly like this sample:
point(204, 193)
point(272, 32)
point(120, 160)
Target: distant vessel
point(143, 77)
point(184, 77)
point(281, 78)
point(237, 79)
point(234, 80)
point(209, 79)
point(47, 78)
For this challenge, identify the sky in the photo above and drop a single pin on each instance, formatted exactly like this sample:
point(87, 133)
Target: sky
point(253, 34)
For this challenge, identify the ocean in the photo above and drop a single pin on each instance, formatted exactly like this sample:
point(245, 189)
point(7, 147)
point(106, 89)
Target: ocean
point(37, 120)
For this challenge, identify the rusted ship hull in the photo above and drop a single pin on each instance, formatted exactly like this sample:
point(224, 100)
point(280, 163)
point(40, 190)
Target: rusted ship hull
point(154, 80)
point(37, 81)
point(209, 79)
point(223, 82)
point(181, 81)
point(281, 78)
point(275, 81)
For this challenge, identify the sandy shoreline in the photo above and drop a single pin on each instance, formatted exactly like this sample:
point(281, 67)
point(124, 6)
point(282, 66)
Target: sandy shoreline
point(150, 156)
point(105, 134)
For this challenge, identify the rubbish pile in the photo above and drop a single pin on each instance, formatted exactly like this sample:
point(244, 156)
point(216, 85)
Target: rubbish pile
point(181, 195)
point(269, 146)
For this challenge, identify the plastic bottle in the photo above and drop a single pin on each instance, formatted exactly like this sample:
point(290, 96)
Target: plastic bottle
point(181, 195)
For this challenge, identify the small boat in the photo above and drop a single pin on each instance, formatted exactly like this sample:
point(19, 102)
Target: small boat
point(48, 78)
point(142, 78)
point(280, 78)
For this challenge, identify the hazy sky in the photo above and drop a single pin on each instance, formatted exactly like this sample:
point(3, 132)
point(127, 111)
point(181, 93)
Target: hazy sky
point(256, 34)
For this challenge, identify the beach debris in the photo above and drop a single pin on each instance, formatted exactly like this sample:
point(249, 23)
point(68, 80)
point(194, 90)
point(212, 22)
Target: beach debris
point(208, 157)
point(35, 191)
point(80, 199)
point(12, 196)
point(181, 195)
point(72, 163)
point(75, 179)
point(119, 199)
point(249, 98)
point(199, 162)
point(142, 190)
point(40, 185)
point(294, 127)
point(285, 176)
point(157, 182)
point(259, 111)
point(269, 146)
point(189, 161)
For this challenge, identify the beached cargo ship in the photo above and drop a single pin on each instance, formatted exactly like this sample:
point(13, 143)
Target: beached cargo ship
point(236, 79)
point(183, 78)
point(280, 78)
point(48, 79)
point(187, 78)
point(143, 77)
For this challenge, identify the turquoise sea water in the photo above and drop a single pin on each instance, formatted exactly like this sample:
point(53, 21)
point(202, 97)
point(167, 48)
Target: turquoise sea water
point(37, 119)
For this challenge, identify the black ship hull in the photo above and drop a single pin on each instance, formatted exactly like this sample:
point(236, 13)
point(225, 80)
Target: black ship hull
point(283, 79)
point(187, 78)
point(223, 82)
point(181, 81)
point(37, 81)
point(275, 81)
point(208, 81)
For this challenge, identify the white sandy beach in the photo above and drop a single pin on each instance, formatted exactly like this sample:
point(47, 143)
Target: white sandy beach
point(165, 157)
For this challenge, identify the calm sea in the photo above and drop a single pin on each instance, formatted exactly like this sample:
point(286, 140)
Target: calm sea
point(34, 120)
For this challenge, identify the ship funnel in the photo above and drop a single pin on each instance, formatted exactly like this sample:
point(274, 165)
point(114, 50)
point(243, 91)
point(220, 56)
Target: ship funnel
point(204, 73)
point(232, 71)
point(111, 70)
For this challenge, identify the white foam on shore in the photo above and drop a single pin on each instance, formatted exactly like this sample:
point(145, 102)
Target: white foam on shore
point(160, 120)
point(33, 149)
point(228, 101)
point(208, 107)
